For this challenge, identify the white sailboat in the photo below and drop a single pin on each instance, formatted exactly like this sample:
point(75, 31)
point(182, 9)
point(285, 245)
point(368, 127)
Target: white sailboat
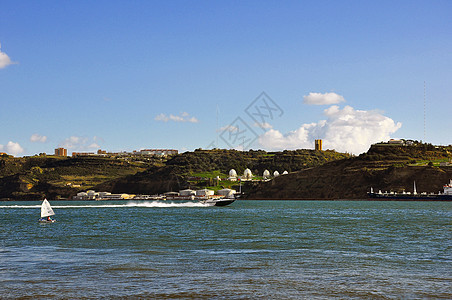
point(46, 212)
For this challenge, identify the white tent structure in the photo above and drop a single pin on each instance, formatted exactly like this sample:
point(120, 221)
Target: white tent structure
point(247, 175)
point(232, 175)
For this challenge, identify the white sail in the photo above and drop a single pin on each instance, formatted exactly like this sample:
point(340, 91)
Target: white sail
point(46, 209)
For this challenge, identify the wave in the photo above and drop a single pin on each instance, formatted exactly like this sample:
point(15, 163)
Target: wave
point(125, 205)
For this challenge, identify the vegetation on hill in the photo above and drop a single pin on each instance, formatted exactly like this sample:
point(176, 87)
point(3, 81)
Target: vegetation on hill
point(198, 169)
point(62, 177)
point(53, 177)
point(312, 174)
point(383, 167)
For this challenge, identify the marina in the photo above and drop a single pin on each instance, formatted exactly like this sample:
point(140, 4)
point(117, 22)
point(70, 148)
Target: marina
point(446, 195)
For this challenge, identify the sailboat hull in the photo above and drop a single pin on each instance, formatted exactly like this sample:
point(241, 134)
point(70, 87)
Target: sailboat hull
point(46, 212)
point(46, 221)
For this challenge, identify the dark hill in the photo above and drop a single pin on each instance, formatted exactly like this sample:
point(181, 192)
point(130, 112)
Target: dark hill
point(31, 178)
point(176, 173)
point(313, 174)
point(383, 167)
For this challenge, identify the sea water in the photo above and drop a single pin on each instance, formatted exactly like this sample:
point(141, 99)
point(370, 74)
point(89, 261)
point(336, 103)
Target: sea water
point(248, 250)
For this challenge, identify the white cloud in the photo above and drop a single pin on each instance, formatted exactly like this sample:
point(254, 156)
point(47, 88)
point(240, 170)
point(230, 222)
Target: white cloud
point(346, 130)
point(193, 120)
point(229, 128)
point(264, 125)
point(36, 138)
point(183, 117)
point(79, 143)
point(161, 117)
point(12, 148)
point(323, 99)
point(4, 59)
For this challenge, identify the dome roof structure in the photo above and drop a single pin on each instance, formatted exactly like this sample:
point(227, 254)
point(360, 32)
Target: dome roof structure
point(232, 173)
point(266, 174)
point(285, 173)
point(275, 174)
point(247, 174)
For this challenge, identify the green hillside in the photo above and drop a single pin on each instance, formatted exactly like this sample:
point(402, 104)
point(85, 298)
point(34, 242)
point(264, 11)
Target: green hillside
point(312, 174)
point(198, 169)
point(384, 167)
point(37, 177)
point(54, 177)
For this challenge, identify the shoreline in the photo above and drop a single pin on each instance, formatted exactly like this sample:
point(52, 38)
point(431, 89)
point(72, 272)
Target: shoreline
point(266, 199)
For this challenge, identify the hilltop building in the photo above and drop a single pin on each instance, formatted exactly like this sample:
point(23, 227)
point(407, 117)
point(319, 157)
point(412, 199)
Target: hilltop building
point(60, 152)
point(396, 142)
point(158, 152)
point(318, 145)
point(75, 154)
point(399, 142)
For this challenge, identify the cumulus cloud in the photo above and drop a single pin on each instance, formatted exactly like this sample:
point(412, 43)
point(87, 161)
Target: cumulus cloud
point(183, 117)
point(12, 148)
point(323, 99)
point(79, 143)
point(345, 130)
point(4, 59)
point(36, 138)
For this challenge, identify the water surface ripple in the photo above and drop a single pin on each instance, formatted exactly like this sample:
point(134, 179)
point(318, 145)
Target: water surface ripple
point(249, 250)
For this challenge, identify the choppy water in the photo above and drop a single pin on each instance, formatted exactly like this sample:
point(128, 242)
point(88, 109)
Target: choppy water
point(248, 250)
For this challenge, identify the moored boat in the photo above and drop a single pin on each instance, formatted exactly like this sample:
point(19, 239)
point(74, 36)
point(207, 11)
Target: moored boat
point(445, 196)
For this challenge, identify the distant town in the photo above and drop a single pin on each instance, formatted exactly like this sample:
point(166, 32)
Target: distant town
point(100, 152)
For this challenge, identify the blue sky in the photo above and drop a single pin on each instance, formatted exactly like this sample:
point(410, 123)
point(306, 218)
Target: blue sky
point(126, 75)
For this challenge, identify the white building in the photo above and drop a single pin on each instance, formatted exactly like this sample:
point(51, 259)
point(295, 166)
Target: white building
point(232, 175)
point(229, 193)
point(247, 175)
point(204, 192)
point(187, 192)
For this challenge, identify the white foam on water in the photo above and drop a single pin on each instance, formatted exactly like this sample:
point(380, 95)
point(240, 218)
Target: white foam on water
point(20, 206)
